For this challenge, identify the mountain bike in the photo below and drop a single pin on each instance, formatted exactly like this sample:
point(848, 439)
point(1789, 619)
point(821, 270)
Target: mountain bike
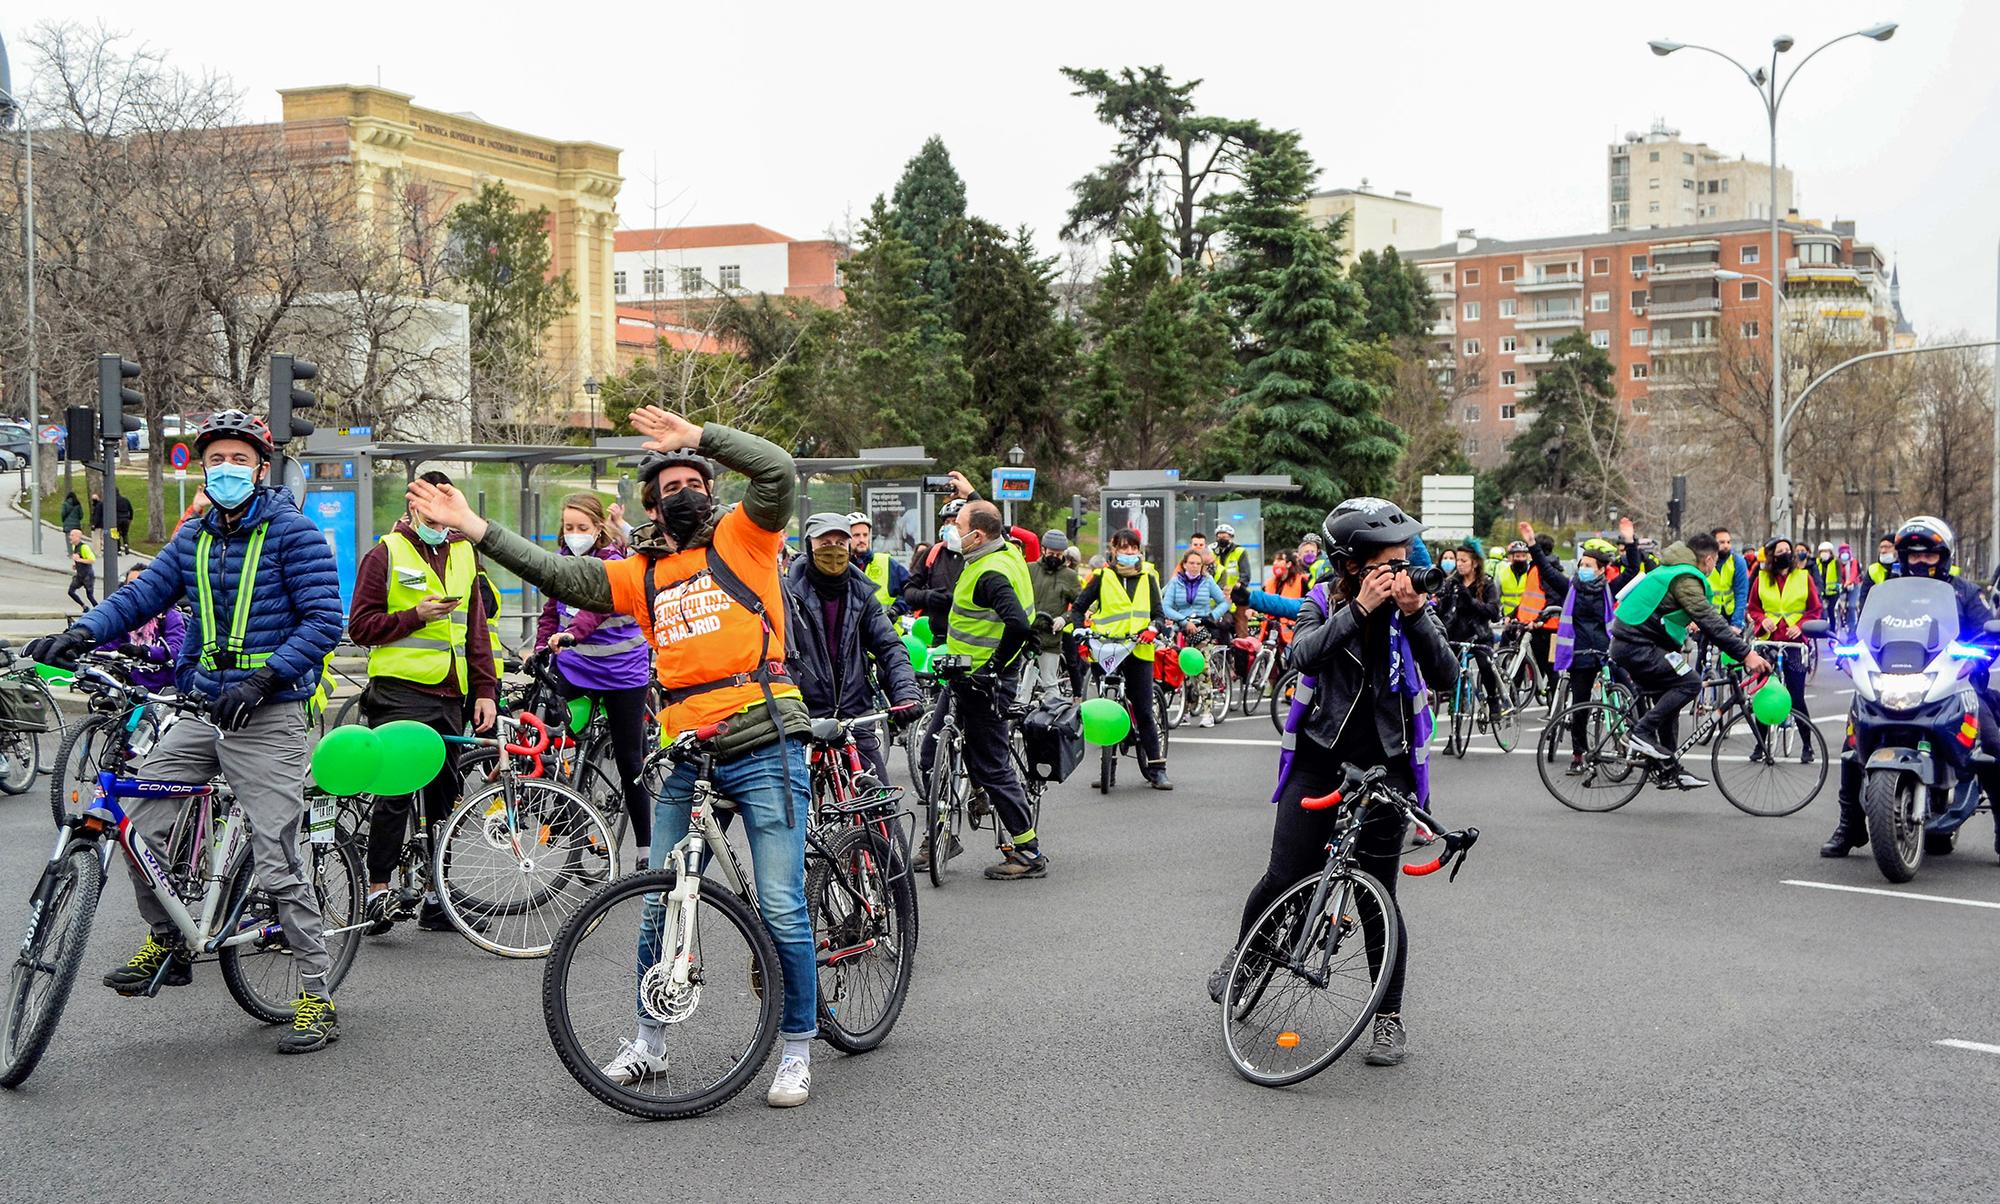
point(1468, 707)
point(952, 800)
point(206, 883)
point(120, 727)
point(1305, 981)
point(1267, 656)
point(1763, 771)
point(28, 711)
point(708, 983)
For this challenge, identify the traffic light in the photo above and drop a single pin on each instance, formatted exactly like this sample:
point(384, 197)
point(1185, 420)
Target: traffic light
point(1677, 505)
point(80, 440)
point(286, 397)
point(113, 423)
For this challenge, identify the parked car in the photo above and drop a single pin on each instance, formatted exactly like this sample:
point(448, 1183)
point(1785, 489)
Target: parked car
point(14, 440)
point(136, 440)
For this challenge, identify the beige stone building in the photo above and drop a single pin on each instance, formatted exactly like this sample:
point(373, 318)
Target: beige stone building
point(1376, 220)
point(1659, 179)
point(388, 140)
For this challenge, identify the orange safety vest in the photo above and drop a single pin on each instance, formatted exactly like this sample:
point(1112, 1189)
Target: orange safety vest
point(1293, 586)
point(708, 646)
point(1532, 601)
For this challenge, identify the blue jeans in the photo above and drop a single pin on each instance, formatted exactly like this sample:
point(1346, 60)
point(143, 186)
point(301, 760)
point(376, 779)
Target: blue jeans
point(757, 783)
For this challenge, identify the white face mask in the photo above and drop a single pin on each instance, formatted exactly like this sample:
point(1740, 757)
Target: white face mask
point(579, 543)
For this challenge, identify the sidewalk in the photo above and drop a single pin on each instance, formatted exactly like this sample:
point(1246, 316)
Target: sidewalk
point(32, 587)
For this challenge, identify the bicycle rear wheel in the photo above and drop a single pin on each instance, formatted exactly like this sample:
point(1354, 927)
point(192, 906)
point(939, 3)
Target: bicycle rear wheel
point(263, 976)
point(1305, 982)
point(46, 962)
point(1259, 681)
point(1768, 771)
point(712, 1031)
point(864, 931)
point(1281, 698)
point(1608, 776)
point(1503, 723)
point(516, 859)
point(23, 753)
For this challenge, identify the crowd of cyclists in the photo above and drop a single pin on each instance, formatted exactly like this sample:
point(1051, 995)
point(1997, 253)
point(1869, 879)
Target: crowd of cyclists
point(700, 619)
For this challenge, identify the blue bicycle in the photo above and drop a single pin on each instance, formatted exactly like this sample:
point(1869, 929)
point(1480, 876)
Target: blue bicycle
point(204, 881)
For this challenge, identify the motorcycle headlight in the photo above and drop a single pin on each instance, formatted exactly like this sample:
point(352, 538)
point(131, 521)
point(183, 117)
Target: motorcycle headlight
point(1902, 691)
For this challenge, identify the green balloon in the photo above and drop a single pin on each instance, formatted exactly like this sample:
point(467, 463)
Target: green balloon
point(579, 714)
point(1105, 722)
point(1193, 662)
point(412, 754)
point(1773, 704)
point(345, 760)
point(922, 630)
point(920, 653)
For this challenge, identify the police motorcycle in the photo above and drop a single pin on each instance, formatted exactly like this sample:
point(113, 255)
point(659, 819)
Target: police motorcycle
point(1915, 719)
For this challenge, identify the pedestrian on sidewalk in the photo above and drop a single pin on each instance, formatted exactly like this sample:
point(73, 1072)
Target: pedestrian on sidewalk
point(72, 512)
point(85, 561)
point(124, 513)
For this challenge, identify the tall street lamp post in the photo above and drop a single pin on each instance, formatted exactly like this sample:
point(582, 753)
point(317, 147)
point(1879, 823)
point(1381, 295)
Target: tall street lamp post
point(590, 388)
point(10, 108)
point(1771, 91)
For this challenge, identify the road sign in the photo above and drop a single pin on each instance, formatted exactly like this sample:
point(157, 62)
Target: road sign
point(179, 455)
point(1014, 484)
point(1447, 507)
point(52, 434)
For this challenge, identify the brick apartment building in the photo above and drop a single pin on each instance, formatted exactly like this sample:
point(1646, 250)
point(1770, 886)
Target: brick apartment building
point(1650, 298)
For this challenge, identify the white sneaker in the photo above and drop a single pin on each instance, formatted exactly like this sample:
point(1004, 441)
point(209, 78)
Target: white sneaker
point(793, 1083)
point(634, 1064)
point(1207, 720)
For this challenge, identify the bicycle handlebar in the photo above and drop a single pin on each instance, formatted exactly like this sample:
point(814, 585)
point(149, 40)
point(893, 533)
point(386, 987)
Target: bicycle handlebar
point(1359, 786)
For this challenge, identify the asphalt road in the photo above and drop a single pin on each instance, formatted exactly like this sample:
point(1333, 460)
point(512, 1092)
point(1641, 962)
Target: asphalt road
point(1631, 1006)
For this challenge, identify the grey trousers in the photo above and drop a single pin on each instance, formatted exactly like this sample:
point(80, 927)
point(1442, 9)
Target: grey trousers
point(266, 765)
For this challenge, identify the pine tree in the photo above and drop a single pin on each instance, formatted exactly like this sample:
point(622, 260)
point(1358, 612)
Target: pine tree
point(928, 213)
point(1399, 297)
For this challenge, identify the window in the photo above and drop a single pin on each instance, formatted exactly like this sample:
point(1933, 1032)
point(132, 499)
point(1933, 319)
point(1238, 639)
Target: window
point(1600, 303)
point(1687, 185)
point(1472, 378)
point(1507, 410)
point(1653, 185)
point(690, 281)
point(1472, 413)
point(1652, 206)
point(1639, 301)
point(1472, 275)
point(1652, 156)
point(1750, 290)
point(1751, 330)
point(1639, 336)
point(1638, 265)
point(729, 275)
point(1638, 405)
point(1472, 445)
point(652, 281)
point(1725, 185)
point(1639, 371)
point(1601, 266)
point(1507, 376)
point(1751, 254)
point(1686, 157)
point(1471, 312)
point(1506, 273)
point(618, 283)
point(1506, 344)
point(1472, 346)
point(1600, 338)
point(1508, 307)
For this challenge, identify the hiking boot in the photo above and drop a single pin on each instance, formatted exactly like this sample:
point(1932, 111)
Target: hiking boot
point(1020, 863)
point(313, 1025)
point(136, 976)
point(977, 806)
point(1391, 1042)
point(922, 862)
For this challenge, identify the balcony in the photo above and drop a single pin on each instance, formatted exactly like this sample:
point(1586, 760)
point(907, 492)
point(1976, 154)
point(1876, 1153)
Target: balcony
point(1666, 273)
point(1664, 346)
point(1676, 309)
point(1537, 356)
point(1443, 326)
point(1548, 284)
point(1824, 276)
point(1530, 319)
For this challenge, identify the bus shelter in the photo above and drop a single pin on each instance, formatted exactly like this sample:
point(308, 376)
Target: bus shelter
point(1165, 510)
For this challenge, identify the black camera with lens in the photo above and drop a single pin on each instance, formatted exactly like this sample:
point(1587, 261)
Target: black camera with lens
point(1424, 578)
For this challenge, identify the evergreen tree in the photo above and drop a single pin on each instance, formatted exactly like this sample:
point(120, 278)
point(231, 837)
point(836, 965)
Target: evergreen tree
point(1260, 222)
point(1399, 298)
point(928, 213)
point(1573, 454)
point(1020, 354)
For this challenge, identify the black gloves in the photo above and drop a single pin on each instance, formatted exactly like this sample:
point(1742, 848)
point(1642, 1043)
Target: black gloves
point(232, 708)
point(903, 714)
point(1239, 594)
point(61, 651)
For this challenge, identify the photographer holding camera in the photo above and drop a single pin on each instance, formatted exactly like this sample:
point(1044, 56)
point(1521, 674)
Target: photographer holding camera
point(1367, 647)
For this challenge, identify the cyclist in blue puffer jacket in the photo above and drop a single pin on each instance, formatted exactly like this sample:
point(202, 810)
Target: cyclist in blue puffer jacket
point(267, 611)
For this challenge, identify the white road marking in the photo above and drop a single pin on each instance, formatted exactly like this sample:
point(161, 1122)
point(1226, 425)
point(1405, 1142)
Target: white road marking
point(1893, 894)
point(1173, 740)
point(1974, 1046)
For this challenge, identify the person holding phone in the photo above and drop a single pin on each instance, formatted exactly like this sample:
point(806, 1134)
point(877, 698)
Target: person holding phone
point(418, 611)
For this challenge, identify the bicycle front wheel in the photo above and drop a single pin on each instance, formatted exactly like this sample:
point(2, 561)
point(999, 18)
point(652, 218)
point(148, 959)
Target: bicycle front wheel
point(695, 983)
point(1768, 771)
point(97, 743)
point(1281, 698)
point(1306, 981)
point(263, 975)
point(516, 859)
point(45, 967)
point(864, 931)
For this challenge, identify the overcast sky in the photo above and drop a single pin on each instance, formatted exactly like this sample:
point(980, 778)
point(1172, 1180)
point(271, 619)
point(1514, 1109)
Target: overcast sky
point(792, 115)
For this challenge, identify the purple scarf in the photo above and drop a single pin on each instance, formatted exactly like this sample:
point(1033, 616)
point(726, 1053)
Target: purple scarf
point(1408, 681)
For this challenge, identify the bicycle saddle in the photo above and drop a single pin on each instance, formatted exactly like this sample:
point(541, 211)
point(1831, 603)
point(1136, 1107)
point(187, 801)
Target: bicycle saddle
point(826, 731)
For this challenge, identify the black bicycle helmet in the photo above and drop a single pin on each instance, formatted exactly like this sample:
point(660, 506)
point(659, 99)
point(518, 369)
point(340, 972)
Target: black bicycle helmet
point(234, 424)
point(1924, 533)
point(1359, 526)
point(656, 463)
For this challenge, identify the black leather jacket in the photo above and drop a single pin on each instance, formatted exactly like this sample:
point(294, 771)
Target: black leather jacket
point(1329, 647)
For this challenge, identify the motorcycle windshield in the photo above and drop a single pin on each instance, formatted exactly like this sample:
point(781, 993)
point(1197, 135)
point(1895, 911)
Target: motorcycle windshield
point(1908, 620)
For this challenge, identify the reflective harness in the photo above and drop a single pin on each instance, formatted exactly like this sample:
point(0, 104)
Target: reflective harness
point(227, 653)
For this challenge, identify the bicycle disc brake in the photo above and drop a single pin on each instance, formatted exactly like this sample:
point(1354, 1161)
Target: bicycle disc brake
point(663, 999)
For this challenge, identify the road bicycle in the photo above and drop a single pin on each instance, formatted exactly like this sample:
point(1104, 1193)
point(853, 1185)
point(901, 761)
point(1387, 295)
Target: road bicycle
point(1206, 693)
point(1107, 655)
point(28, 712)
point(205, 881)
point(952, 801)
point(1267, 658)
point(120, 727)
point(1762, 770)
point(1306, 980)
point(1520, 673)
point(1468, 706)
point(706, 991)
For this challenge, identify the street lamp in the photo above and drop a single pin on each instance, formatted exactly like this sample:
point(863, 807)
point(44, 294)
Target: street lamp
point(1016, 456)
point(10, 108)
point(590, 387)
point(1771, 90)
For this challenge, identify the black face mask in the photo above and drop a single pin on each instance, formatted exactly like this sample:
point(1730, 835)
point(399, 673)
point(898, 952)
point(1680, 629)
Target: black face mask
point(682, 514)
point(1053, 560)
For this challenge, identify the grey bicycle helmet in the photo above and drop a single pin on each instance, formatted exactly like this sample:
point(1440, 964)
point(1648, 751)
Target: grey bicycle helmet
point(234, 424)
point(656, 463)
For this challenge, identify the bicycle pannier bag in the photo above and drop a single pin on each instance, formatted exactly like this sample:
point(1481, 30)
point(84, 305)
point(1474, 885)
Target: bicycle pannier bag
point(1052, 737)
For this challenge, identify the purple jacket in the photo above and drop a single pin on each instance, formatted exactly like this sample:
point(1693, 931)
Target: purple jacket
point(158, 643)
point(610, 652)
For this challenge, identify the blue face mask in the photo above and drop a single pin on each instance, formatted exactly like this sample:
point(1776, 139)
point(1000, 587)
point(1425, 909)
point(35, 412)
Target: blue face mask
point(1586, 575)
point(1128, 560)
point(230, 485)
point(431, 535)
